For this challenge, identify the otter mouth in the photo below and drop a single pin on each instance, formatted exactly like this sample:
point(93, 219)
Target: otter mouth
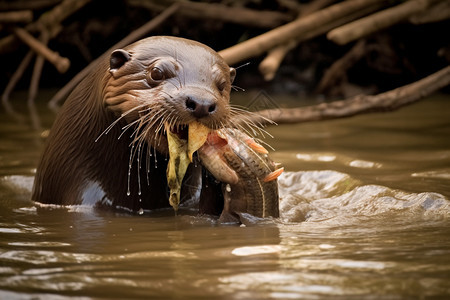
point(191, 136)
point(182, 141)
point(180, 131)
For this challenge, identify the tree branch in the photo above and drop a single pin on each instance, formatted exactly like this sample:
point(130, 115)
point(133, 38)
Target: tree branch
point(48, 20)
point(268, 67)
point(375, 22)
point(60, 63)
point(360, 104)
point(295, 30)
point(20, 16)
point(225, 13)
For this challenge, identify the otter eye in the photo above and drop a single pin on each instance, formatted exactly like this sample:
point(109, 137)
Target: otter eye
point(156, 74)
point(221, 85)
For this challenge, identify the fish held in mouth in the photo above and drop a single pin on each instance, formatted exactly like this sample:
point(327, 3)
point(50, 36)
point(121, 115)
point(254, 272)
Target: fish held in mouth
point(248, 175)
point(180, 156)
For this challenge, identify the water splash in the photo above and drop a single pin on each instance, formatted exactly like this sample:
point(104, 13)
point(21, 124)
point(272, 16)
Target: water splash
point(329, 196)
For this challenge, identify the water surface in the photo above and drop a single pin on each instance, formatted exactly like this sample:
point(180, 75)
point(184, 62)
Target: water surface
point(364, 215)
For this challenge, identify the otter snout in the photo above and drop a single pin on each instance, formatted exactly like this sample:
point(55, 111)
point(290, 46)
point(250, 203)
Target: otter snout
point(199, 107)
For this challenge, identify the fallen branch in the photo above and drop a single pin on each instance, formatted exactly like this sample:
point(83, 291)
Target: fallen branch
point(387, 101)
point(133, 36)
point(270, 64)
point(12, 83)
point(27, 4)
point(338, 69)
point(34, 84)
point(375, 22)
point(295, 30)
point(20, 16)
point(60, 63)
point(438, 12)
point(47, 20)
point(224, 13)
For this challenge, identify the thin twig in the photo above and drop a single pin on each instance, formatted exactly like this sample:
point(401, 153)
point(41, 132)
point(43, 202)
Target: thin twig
point(12, 83)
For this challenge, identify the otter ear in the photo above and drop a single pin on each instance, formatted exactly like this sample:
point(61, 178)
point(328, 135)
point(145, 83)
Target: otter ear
point(232, 74)
point(118, 58)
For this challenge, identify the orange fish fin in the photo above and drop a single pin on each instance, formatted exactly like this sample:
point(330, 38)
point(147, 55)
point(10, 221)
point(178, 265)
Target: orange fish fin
point(273, 175)
point(257, 147)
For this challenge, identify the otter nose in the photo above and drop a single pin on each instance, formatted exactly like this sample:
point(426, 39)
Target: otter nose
point(200, 108)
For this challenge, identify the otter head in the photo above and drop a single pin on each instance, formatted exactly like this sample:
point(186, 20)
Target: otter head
point(170, 80)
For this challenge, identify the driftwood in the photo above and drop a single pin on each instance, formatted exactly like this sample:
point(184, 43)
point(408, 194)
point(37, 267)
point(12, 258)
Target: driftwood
point(49, 26)
point(21, 16)
point(383, 19)
point(221, 12)
point(438, 12)
point(316, 18)
point(338, 70)
point(270, 64)
point(60, 63)
point(295, 30)
point(48, 20)
point(27, 4)
point(390, 100)
point(133, 36)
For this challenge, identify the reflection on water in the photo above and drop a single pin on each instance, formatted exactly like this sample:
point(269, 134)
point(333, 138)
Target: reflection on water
point(364, 215)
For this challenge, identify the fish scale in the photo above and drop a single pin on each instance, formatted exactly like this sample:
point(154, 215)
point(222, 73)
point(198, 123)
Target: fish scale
point(253, 192)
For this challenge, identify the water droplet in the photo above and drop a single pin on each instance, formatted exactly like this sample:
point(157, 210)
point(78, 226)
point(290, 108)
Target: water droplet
point(228, 188)
point(141, 211)
point(128, 193)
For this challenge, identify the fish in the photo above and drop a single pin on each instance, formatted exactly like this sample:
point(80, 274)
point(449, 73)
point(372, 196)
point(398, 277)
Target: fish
point(180, 156)
point(248, 175)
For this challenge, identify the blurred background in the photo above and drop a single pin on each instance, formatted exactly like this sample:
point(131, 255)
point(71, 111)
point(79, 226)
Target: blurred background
point(408, 50)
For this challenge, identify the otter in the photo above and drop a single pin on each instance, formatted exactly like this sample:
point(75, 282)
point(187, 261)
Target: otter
point(107, 146)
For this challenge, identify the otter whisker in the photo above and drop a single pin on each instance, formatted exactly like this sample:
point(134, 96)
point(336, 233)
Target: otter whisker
point(138, 157)
point(237, 88)
point(155, 158)
point(108, 129)
point(147, 165)
point(246, 115)
point(130, 162)
point(241, 66)
point(244, 144)
point(254, 128)
point(260, 141)
point(245, 129)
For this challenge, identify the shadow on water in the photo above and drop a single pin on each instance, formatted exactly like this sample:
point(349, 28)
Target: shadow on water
point(364, 215)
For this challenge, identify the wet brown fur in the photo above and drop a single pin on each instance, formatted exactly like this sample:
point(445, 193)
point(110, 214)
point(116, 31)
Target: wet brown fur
point(88, 147)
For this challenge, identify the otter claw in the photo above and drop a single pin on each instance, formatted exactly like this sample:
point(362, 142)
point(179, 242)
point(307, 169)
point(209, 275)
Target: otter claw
point(273, 175)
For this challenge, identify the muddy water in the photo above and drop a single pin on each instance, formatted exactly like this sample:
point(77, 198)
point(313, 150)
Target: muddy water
point(365, 214)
